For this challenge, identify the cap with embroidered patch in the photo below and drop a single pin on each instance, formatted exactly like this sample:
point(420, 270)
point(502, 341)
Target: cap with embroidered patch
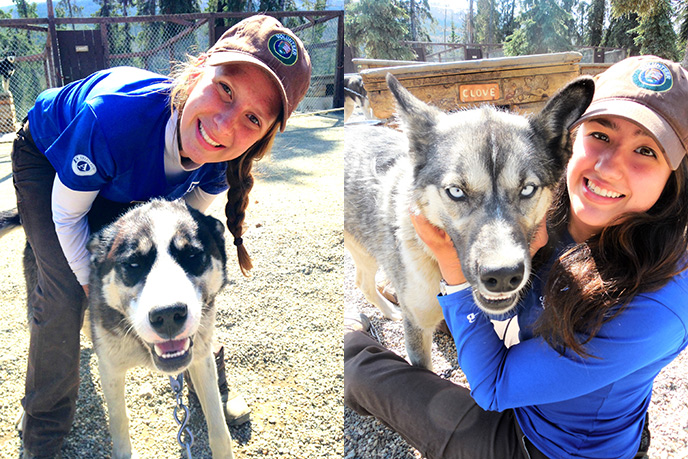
point(263, 41)
point(651, 92)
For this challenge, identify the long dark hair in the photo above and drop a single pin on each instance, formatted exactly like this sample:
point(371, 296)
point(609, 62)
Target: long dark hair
point(593, 281)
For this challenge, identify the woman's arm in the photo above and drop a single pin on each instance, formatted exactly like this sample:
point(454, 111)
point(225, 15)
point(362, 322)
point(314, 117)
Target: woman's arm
point(70, 209)
point(646, 335)
point(531, 372)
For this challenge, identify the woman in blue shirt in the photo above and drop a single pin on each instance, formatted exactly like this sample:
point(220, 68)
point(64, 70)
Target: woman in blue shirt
point(606, 313)
point(97, 146)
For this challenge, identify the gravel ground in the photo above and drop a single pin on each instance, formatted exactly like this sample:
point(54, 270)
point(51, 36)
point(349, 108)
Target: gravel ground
point(281, 327)
point(366, 438)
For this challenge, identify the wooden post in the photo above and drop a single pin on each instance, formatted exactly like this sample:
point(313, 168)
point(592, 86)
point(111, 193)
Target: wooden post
point(52, 36)
point(339, 68)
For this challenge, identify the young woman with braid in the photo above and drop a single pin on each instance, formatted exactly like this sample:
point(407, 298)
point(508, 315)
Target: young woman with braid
point(95, 147)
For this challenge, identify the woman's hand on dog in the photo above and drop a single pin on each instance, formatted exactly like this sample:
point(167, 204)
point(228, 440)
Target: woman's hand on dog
point(441, 245)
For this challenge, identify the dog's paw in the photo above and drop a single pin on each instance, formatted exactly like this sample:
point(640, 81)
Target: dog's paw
point(392, 314)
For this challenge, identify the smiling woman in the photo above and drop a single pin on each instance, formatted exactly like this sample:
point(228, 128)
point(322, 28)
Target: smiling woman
point(230, 107)
point(97, 146)
point(616, 168)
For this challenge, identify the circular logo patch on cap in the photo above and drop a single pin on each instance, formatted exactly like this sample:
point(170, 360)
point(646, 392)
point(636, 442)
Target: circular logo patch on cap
point(283, 47)
point(654, 76)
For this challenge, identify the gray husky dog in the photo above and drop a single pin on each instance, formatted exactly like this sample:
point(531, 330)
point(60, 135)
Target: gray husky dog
point(484, 176)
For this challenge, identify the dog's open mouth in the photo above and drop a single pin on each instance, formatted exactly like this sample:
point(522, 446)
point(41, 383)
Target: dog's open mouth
point(172, 349)
point(173, 354)
point(497, 307)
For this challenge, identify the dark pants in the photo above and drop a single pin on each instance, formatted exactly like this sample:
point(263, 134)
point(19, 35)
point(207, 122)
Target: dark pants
point(57, 303)
point(436, 416)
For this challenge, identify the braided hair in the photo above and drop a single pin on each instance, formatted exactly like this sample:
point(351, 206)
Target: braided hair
point(239, 170)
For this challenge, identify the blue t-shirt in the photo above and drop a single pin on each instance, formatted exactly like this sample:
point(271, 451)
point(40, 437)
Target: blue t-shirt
point(569, 406)
point(106, 133)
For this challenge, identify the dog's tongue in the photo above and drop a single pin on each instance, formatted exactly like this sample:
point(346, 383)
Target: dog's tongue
point(169, 347)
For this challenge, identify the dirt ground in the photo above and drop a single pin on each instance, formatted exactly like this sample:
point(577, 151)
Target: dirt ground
point(281, 327)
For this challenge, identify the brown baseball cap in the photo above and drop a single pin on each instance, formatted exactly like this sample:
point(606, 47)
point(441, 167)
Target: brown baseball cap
point(265, 42)
point(651, 92)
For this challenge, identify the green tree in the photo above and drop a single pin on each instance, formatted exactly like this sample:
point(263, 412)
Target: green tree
point(26, 9)
point(656, 34)
point(68, 9)
point(486, 20)
point(683, 34)
point(507, 20)
point(418, 15)
point(596, 15)
point(621, 33)
point(375, 28)
point(578, 26)
point(541, 29)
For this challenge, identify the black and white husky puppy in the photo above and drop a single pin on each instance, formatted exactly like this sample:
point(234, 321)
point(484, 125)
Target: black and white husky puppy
point(155, 273)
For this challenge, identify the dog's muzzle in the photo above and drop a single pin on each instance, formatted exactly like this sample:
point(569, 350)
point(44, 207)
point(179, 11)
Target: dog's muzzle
point(171, 353)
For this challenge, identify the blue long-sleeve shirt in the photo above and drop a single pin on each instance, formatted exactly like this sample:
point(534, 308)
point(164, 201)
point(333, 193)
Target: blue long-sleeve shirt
point(569, 406)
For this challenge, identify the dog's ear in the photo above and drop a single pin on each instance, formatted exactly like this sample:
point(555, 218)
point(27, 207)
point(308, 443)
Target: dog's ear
point(209, 225)
point(418, 118)
point(98, 246)
point(217, 229)
point(561, 111)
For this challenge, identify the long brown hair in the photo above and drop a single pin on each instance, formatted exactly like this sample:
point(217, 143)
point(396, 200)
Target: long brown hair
point(593, 281)
point(239, 170)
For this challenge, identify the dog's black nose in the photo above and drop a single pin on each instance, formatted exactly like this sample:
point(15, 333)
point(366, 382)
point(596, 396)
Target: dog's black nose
point(169, 320)
point(506, 279)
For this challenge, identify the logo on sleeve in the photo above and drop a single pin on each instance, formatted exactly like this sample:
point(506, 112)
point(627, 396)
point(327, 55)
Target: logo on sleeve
point(83, 166)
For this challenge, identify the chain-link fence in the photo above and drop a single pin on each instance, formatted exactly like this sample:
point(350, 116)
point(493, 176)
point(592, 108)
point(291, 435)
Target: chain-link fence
point(154, 43)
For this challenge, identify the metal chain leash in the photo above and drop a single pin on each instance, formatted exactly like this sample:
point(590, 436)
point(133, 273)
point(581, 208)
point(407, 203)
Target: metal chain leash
point(177, 386)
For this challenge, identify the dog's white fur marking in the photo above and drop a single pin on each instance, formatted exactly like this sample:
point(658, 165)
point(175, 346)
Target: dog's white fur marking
point(156, 291)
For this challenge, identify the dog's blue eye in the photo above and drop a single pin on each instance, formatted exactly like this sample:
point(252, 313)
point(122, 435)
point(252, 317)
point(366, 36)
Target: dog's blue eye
point(528, 191)
point(456, 193)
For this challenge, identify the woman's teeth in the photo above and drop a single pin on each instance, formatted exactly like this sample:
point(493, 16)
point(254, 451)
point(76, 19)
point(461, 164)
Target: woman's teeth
point(206, 137)
point(601, 191)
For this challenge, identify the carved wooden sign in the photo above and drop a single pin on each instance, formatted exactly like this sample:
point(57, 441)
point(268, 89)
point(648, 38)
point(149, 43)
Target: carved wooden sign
point(479, 92)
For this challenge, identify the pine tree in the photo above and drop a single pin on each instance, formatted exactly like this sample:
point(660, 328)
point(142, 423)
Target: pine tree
point(596, 15)
point(374, 29)
point(541, 29)
point(620, 33)
point(656, 34)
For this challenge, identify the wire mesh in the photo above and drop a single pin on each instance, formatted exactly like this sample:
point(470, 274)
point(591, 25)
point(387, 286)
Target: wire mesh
point(26, 76)
point(157, 46)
